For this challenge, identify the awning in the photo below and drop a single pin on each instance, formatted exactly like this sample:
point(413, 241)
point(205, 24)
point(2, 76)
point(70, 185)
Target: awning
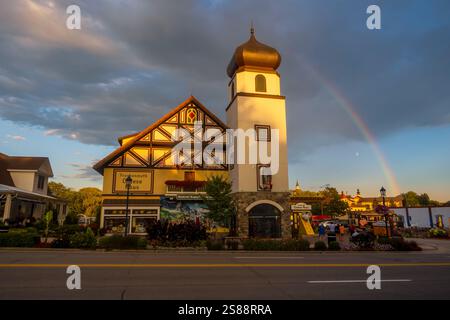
point(24, 194)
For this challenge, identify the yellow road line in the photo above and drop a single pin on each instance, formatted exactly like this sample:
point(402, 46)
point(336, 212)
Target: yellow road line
point(224, 265)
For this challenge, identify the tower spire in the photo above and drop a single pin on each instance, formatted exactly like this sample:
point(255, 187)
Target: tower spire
point(252, 29)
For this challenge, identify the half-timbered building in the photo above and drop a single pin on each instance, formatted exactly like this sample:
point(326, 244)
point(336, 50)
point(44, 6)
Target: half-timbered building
point(161, 186)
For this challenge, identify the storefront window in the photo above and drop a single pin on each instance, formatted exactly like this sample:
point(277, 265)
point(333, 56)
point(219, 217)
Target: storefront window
point(114, 225)
point(139, 225)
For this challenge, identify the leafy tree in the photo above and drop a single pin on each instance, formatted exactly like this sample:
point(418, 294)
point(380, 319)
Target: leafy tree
point(219, 201)
point(412, 199)
point(424, 199)
point(86, 201)
point(332, 203)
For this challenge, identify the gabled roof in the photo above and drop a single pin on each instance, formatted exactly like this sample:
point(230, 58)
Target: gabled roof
point(11, 163)
point(99, 166)
point(5, 177)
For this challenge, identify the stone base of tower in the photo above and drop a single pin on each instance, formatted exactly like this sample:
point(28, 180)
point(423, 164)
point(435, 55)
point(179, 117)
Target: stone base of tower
point(247, 203)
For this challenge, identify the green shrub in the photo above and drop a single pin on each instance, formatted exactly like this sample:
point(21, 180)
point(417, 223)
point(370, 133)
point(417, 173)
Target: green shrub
point(295, 245)
point(384, 240)
point(188, 230)
point(364, 240)
point(19, 239)
point(124, 243)
point(320, 246)
point(276, 245)
point(232, 245)
point(60, 243)
point(214, 245)
point(437, 233)
point(334, 246)
point(83, 240)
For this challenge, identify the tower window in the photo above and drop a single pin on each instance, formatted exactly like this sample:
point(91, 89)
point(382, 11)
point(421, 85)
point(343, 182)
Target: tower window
point(264, 181)
point(262, 133)
point(260, 83)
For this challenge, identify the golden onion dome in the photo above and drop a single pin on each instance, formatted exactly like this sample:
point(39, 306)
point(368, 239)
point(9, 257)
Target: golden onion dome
point(254, 54)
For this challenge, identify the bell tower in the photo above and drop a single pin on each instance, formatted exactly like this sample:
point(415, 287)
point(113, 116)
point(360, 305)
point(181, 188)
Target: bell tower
point(256, 103)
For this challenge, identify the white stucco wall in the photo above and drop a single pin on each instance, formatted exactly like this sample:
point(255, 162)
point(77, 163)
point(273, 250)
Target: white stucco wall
point(419, 217)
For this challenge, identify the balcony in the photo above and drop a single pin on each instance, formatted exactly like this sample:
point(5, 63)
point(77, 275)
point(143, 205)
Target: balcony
point(185, 186)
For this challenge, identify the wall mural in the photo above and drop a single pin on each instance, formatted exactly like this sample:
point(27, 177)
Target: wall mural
point(176, 210)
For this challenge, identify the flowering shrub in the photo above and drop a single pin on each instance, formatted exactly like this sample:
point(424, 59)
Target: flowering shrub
point(437, 233)
point(187, 231)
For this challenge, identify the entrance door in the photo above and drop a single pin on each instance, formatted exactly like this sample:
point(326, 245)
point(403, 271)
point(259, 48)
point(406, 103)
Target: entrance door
point(264, 221)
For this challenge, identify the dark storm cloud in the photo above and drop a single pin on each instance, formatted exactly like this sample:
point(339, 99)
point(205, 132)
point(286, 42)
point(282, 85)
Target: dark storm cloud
point(134, 60)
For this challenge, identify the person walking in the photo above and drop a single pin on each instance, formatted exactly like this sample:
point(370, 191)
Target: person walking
point(341, 232)
point(321, 231)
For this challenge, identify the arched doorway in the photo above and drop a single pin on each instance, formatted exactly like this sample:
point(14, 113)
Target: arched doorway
point(264, 221)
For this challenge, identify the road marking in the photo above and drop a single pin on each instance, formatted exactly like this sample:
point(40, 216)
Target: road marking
point(269, 257)
point(358, 281)
point(223, 265)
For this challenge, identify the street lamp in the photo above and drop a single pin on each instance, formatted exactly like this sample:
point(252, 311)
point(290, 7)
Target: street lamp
point(128, 182)
point(386, 212)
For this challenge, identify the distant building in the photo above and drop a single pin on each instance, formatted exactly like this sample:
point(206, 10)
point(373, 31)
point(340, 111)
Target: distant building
point(24, 189)
point(358, 203)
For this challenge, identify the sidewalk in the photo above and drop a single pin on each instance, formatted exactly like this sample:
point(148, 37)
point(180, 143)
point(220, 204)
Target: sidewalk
point(434, 245)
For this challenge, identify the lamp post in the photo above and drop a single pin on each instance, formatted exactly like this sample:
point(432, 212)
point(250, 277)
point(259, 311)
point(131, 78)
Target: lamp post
point(128, 182)
point(386, 212)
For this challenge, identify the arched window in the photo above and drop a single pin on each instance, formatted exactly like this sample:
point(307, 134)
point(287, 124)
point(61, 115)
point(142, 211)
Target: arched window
point(264, 221)
point(260, 83)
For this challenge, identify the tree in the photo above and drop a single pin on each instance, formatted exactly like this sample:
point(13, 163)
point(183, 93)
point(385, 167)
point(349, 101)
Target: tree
point(412, 199)
point(86, 201)
point(332, 203)
point(219, 201)
point(424, 199)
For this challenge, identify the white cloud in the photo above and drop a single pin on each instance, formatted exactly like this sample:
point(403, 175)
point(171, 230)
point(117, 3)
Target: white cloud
point(16, 137)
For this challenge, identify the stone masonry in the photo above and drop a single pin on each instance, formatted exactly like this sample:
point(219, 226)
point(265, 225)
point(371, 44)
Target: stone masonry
point(244, 199)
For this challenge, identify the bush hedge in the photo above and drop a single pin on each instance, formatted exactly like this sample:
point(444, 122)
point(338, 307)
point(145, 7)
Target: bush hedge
point(19, 239)
point(275, 245)
point(364, 240)
point(83, 240)
point(187, 230)
point(437, 233)
point(122, 242)
point(334, 246)
point(214, 245)
point(320, 246)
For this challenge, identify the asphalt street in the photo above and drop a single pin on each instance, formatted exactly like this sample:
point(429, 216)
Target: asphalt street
point(41, 274)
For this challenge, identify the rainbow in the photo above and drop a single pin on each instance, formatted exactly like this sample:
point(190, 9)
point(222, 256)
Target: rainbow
point(347, 106)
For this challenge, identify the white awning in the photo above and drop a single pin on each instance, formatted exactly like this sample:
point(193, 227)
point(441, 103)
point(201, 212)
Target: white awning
point(4, 189)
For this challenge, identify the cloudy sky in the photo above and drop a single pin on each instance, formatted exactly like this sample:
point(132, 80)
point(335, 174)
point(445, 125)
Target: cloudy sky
point(365, 108)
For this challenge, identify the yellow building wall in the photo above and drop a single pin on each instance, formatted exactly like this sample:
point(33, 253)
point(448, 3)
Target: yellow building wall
point(160, 176)
point(245, 82)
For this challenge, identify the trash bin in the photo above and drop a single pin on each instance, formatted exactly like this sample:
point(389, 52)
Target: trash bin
point(331, 237)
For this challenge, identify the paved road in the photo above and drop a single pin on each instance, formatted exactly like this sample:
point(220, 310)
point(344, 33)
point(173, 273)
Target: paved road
point(41, 274)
